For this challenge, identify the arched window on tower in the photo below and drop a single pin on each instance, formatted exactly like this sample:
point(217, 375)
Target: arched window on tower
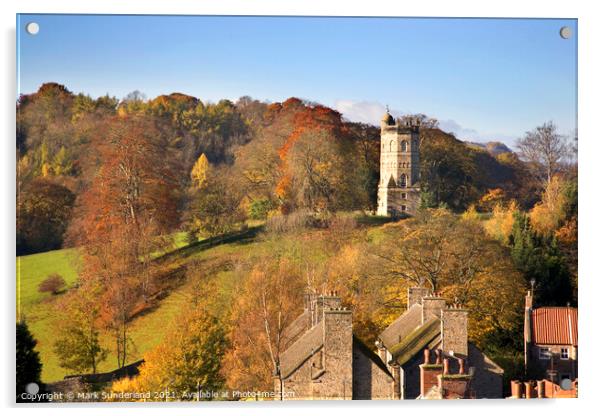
point(403, 180)
point(404, 146)
point(391, 145)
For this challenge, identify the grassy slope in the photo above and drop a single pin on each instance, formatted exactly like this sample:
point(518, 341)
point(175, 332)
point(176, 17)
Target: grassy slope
point(146, 330)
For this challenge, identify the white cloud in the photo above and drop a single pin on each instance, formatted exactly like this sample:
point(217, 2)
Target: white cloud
point(452, 126)
point(362, 111)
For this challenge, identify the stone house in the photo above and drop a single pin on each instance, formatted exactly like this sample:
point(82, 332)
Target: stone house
point(326, 361)
point(428, 323)
point(551, 341)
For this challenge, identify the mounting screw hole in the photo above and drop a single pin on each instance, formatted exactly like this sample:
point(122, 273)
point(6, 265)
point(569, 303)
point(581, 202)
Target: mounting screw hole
point(565, 32)
point(32, 28)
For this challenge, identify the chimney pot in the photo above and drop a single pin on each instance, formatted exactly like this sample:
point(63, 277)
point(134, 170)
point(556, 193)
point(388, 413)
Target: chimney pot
point(438, 356)
point(541, 390)
point(516, 387)
point(445, 366)
point(528, 390)
point(461, 363)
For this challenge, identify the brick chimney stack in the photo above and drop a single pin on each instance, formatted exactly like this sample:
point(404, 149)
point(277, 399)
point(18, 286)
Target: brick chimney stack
point(429, 373)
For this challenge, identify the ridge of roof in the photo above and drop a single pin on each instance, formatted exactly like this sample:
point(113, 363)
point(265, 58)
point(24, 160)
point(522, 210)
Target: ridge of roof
point(417, 340)
point(402, 326)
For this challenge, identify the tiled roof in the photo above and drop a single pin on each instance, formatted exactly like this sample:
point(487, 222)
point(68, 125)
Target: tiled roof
point(301, 350)
point(402, 326)
point(554, 326)
point(425, 336)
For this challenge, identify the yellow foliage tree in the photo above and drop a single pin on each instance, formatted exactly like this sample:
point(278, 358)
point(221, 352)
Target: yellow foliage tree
point(188, 360)
point(547, 216)
point(438, 250)
point(471, 214)
point(499, 226)
point(199, 172)
point(269, 300)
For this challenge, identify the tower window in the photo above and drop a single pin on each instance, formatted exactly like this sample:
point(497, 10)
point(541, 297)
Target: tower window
point(403, 196)
point(404, 146)
point(391, 146)
point(403, 180)
point(403, 208)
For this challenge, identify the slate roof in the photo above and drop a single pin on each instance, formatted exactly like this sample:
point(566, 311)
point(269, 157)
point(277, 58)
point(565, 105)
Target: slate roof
point(301, 350)
point(402, 326)
point(296, 328)
point(425, 336)
point(554, 326)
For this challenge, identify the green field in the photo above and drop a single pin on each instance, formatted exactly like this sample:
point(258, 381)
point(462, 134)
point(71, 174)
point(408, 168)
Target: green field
point(38, 309)
point(148, 329)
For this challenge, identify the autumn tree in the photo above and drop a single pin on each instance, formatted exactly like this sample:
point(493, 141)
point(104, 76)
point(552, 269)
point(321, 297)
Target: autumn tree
point(186, 362)
point(199, 172)
point(214, 209)
point(545, 149)
point(265, 306)
point(129, 205)
point(43, 213)
point(54, 283)
point(451, 255)
point(78, 345)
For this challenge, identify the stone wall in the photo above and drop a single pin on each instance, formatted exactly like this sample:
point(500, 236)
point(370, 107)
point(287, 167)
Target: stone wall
point(370, 381)
point(336, 383)
point(487, 381)
point(454, 331)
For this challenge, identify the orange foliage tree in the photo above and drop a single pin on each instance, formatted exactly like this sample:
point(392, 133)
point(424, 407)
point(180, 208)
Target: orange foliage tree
point(130, 202)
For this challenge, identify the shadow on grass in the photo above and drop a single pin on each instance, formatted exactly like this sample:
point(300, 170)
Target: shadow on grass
point(239, 237)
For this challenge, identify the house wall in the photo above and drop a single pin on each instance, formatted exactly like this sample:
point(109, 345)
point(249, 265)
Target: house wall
point(538, 367)
point(370, 382)
point(488, 378)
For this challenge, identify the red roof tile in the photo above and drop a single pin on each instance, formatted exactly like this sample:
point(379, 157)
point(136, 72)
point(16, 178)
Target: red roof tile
point(554, 326)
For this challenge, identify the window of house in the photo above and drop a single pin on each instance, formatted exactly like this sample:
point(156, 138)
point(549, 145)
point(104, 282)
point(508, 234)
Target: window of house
point(544, 353)
point(564, 353)
point(403, 207)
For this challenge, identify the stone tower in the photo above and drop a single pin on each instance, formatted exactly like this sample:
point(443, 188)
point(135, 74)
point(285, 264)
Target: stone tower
point(399, 185)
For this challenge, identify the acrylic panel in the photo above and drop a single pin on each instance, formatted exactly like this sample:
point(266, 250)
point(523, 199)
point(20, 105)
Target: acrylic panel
point(231, 208)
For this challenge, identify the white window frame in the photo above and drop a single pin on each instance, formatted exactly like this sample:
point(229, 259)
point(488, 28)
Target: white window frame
point(545, 353)
point(564, 350)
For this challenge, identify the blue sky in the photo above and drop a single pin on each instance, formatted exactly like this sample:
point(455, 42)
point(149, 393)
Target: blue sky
point(483, 79)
